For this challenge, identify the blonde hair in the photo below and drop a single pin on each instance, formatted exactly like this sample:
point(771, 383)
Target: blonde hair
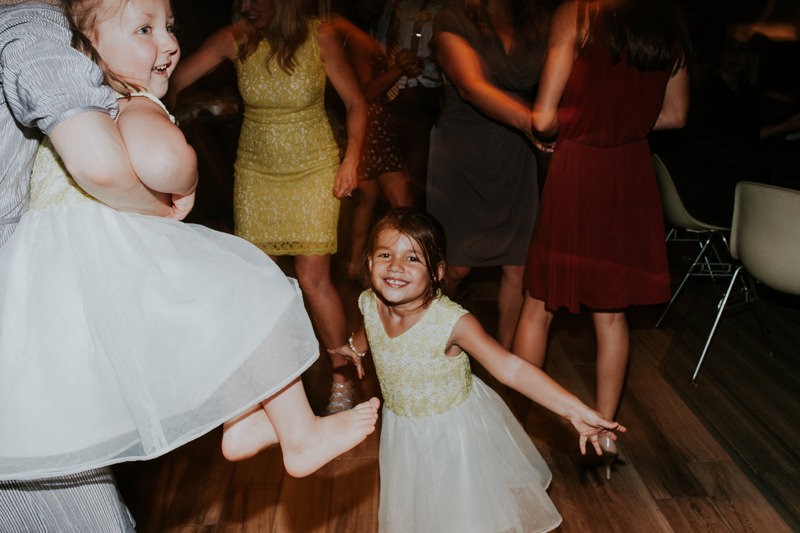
point(83, 16)
point(286, 31)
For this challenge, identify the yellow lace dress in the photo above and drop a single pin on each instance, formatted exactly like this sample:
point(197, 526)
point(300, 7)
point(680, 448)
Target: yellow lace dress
point(452, 456)
point(287, 157)
point(124, 336)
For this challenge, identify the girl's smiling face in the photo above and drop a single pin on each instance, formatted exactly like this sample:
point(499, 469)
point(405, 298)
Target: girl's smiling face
point(136, 42)
point(398, 272)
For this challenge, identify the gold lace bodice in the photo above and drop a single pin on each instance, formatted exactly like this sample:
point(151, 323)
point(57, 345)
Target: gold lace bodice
point(416, 377)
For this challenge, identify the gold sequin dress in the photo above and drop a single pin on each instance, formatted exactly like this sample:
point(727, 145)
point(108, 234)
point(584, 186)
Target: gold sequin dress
point(124, 336)
point(452, 456)
point(287, 157)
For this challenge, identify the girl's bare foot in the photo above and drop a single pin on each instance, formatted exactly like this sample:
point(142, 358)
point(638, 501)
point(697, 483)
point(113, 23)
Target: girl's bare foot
point(328, 438)
point(246, 435)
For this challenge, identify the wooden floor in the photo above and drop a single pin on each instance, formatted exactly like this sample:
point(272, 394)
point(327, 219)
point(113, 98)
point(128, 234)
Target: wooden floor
point(721, 456)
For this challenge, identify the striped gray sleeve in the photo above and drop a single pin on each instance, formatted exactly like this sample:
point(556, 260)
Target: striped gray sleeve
point(44, 79)
point(87, 501)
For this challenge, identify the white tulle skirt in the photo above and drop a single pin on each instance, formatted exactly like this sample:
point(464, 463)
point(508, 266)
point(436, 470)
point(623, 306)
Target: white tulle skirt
point(124, 336)
point(472, 469)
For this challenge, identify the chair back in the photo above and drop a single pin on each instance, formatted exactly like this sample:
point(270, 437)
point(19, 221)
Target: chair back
point(675, 213)
point(765, 235)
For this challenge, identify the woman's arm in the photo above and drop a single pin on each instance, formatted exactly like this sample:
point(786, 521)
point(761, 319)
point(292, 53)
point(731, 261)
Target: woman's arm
point(556, 71)
point(159, 153)
point(529, 380)
point(675, 107)
point(215, 50)
point(460, 63)
point(343, 79)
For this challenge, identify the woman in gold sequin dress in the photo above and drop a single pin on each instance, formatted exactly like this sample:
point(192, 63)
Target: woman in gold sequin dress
point(288, 178)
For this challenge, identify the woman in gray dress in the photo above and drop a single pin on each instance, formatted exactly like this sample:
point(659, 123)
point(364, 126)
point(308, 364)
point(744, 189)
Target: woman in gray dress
point(482, 182)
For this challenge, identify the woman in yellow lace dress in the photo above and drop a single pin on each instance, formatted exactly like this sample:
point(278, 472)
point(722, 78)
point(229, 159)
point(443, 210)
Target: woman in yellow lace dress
point(288, 178)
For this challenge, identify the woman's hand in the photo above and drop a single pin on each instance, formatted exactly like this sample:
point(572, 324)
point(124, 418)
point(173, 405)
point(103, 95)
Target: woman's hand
point(346, 180)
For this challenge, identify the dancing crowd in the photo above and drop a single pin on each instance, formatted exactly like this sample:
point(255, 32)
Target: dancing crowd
point(501, 133)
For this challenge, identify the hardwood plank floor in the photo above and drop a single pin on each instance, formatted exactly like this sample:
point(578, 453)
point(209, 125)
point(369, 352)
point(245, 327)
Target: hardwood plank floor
point(721, 456)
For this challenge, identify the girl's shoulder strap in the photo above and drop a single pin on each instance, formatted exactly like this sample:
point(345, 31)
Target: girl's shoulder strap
point(448, 308)
point(150, 97)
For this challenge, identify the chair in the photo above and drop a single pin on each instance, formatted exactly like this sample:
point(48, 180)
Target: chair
point(765, 238)
point(707, 263)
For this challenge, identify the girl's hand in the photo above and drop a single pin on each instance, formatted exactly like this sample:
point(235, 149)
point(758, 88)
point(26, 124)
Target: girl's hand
point(345, 351)
point(346, 180)
point(590, 425)
point(182, 204)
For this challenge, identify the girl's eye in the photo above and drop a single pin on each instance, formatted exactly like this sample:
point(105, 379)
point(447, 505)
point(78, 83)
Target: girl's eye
point(414, 259)
point(170, 28)
point(144, 30)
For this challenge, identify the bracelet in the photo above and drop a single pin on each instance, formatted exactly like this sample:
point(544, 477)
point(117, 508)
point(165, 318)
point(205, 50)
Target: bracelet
point(353, 347)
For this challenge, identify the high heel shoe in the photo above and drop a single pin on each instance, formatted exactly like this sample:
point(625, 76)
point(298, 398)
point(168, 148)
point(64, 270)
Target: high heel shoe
point(610, 452)
point(342, 397)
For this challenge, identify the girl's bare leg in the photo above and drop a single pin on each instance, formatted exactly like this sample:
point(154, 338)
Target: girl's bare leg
point(307, 441)
point(613, 344)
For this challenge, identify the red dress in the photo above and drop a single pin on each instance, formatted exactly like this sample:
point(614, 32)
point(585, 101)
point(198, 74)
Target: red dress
point(599, 238)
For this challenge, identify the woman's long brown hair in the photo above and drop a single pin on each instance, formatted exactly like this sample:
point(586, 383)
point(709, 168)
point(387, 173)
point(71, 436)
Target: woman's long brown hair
point(654, 32)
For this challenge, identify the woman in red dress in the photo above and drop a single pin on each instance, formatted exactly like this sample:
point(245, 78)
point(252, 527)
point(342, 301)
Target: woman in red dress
point(615, 70)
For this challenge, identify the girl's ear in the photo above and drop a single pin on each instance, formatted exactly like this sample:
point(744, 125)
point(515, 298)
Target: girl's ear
point(440, 271)
point(369, 262)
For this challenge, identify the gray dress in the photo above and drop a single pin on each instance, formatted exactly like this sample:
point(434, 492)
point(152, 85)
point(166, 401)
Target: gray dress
point(482, 174)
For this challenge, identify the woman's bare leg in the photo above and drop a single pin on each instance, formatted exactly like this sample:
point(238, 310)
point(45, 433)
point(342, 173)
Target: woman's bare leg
point(509, 303)
point(530, 343)
point(613, 347)
point(454, 276)
point(362, 220)
point(327, 313)
point(396, 187)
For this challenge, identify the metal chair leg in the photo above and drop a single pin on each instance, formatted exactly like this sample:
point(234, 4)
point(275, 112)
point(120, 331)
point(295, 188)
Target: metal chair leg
point(689, 272)
point(759, 313)
point(722, 305)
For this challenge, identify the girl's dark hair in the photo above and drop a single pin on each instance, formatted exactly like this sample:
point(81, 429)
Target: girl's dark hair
point(82, 17)
point(654, 32)
point(426, 232)
point(286, 32)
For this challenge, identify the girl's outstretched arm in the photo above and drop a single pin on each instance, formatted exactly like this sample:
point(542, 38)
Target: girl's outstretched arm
point(515, 372)
point(159, 153)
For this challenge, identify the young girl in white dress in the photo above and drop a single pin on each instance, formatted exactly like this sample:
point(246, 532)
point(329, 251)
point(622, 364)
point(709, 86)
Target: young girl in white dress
point(452, 456)
point(124, 336)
